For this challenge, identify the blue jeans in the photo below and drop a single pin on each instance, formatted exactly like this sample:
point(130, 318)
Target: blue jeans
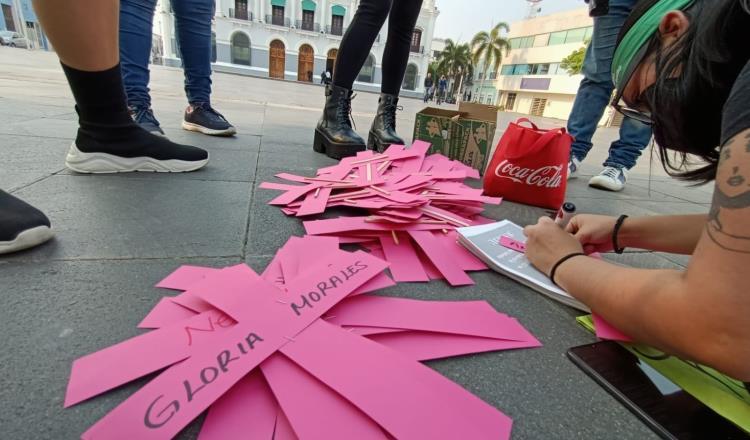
point(193, 31)
point(595, 92)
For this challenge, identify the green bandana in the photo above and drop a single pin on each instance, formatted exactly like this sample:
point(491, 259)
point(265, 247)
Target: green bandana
point(634, 42)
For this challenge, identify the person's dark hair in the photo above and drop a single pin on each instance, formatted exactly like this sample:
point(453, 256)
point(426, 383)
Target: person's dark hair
point(694, 78)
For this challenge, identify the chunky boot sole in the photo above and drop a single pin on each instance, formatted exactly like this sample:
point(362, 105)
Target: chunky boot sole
point(334, 150)
point(376, 144)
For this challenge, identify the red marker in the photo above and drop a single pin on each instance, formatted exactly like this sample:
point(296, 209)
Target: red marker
point(566, 212)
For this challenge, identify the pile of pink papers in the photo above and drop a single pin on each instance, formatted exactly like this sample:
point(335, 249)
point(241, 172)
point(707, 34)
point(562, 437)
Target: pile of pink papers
point(301, 351)
point(413, 203)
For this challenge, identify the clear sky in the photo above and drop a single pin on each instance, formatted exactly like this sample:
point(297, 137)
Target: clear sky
point(461, 19)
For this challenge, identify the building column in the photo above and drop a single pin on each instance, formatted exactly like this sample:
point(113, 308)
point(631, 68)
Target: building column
point(323, 11)
point(292, 11)
point(166, 30)
point(262, 9)
point(256, 10)
point(219, 9)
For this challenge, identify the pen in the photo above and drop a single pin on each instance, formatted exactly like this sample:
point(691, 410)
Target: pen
point(566, 212)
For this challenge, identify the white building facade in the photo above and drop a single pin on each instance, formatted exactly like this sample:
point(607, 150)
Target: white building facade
point(296, 40)
point(530, 79)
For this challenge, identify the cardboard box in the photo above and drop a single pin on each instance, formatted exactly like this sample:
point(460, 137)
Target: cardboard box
point(465, 135)
point(433, 125)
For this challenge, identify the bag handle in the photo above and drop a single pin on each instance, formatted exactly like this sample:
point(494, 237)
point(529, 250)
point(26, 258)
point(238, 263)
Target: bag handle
point(540, 143)
point(520, 121)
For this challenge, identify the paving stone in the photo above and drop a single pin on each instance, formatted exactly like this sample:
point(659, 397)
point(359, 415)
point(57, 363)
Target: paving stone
point(113, 217)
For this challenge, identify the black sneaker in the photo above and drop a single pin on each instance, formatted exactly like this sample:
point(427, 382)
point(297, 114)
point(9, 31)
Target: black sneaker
point(128, 147)
point(203, 118)
point(144, 117)
point(21, 225)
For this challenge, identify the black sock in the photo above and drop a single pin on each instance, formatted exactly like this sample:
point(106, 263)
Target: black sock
point(105, 125)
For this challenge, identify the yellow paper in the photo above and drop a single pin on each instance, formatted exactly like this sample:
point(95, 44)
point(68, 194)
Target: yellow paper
point(727, 396)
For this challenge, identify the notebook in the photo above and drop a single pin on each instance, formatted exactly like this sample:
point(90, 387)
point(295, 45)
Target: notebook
point(484, 242)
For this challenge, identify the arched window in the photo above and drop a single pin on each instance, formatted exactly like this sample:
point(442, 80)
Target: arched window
point(410, 79)
point(331, 60)
point(367, 73)
point(240, 46)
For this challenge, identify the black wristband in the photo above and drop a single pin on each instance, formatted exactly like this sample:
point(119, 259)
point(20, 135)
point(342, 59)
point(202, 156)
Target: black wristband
point(561, 261)
point(618, 224)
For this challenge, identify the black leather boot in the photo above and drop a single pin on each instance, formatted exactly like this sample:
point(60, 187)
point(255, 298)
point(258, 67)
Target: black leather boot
point(334, 135)
point(383, 130)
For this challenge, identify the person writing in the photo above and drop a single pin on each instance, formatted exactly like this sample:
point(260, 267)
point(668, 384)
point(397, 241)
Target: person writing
point(682, 66)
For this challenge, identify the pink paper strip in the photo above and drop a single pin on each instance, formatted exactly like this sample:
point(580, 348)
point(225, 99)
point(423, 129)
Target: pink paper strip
point(164, 313)
point(432, 249)
point(405, 264)
point(307, 402)
point(423, 346)
point(605, 330)
point(314, 204)
point(406, 398)
point(475, 318)
point(512, 244)
point(184, 276)
point(133, 358)
point(168, 403)
point(283, 429)
point(247, 411)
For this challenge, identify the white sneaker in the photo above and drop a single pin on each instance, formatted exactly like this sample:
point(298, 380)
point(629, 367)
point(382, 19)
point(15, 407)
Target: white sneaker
point(573, 166)
point(610, 179)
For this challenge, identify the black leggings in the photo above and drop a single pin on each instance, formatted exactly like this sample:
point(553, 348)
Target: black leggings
point(355, 47)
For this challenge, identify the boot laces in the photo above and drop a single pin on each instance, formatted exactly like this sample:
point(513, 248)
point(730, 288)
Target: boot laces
point(389, 115)
point(344, 110)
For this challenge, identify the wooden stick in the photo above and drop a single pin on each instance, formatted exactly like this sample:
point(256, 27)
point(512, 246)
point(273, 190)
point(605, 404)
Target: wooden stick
point(383, 165)
point(395, 237)
point(380, 190)
point(369, 171)
point(370, 159)
point(317, 192)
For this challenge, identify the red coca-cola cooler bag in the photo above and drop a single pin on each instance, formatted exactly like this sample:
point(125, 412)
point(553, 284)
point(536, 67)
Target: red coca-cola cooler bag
point(530, 165)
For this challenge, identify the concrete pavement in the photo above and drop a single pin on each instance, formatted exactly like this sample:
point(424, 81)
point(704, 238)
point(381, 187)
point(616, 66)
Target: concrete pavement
point(118, 235)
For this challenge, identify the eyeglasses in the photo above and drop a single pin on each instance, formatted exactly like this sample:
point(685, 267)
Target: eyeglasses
point(643, 100)
point(638, 115)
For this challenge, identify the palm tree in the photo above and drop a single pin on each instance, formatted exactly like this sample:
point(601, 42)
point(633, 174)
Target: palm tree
point(487, 48)
point(455, 62)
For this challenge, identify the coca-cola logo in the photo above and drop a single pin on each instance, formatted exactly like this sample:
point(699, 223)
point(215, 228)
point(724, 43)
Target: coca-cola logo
point(546, 177)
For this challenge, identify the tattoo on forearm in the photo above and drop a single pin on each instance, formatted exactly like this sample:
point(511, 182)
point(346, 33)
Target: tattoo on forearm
point(731, 195)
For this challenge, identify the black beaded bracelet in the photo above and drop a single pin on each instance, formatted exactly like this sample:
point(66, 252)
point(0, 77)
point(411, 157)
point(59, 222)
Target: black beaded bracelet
point(618, 224)
point(561, 261)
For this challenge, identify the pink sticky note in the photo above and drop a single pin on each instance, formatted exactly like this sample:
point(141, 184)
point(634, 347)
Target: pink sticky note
point(164, 313)
point(248, 410)
point(405, 263)
point(168, 403)
point(184, 276)
point(406, 398)
point(307, 402)
point(605, 330)
point(512, 244)
point(432, 249)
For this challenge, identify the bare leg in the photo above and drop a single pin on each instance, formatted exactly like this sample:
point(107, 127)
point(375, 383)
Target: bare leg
point(83, 32)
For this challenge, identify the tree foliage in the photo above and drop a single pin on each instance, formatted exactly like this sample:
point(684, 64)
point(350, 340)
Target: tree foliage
point(573, 63)
point(455, 62)
point(487, 47)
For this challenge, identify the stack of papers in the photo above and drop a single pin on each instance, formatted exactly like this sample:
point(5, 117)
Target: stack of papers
point(484, 242)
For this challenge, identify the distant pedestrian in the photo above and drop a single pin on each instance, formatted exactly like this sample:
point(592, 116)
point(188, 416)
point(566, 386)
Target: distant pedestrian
point(325, 77)
point(193, 25)
point(428, 82)
point(442, 87)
